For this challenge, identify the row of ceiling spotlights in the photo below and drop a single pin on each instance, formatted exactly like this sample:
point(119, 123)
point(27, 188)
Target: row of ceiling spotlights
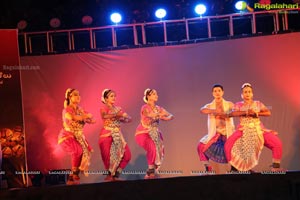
point(160, 13)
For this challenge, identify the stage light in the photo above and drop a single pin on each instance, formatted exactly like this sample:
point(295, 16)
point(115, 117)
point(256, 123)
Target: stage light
point(200, 9)
point(160, 13)
point(22, 25)
point(115, 18)
point(55, 22)
point(87, 20)
point(241, 5)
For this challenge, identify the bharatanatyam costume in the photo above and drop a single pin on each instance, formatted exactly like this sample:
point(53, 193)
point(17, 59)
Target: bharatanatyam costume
point(244, 147)
point(211, 146)
point(115, 152)
point(150, 138)
point(72, 140)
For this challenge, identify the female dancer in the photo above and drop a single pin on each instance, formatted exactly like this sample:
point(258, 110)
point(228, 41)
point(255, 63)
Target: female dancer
point(115, 152)
point(244, 146)
point(148, 136)
point(71, 137)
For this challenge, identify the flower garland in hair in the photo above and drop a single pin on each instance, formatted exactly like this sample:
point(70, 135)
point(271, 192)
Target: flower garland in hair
point(146, 92)
point(102, 96)
point(246, 85)
point(67, 96)
point(68, 93)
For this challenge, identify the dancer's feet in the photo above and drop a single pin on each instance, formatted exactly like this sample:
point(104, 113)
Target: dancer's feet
point(275, 167)
point(72, 181)
point(109, 178)
point(150, 174)
point(117, 175)
point(208, 168)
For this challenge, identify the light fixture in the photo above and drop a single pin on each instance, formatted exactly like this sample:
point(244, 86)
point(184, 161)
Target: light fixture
point(55, 22)
point(241, 5)
point(115, 18)
point(22, 25)
point(200, 9)
point(87, 20)
point(160, 13)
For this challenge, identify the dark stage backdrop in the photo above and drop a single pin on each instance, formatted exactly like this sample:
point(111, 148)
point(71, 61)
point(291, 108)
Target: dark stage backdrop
point(183, 76)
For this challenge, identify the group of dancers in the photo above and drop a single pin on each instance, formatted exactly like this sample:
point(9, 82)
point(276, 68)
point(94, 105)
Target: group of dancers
point(115, 152)
point(240, 147)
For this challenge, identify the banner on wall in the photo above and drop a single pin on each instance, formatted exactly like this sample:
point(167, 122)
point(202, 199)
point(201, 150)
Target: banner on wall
point(12, 139)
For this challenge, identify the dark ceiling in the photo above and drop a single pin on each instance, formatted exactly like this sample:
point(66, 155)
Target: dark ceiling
point(37, 14)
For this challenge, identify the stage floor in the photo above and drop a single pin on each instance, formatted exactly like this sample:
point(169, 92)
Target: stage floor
point(228, 186)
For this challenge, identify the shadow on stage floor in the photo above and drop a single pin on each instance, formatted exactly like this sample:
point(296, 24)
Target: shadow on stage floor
point(228, 186)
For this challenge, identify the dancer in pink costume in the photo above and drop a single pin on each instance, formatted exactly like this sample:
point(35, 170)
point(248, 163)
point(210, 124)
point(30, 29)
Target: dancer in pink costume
point(148, 135)
point(71, 137)
point(115, 152)
point(220, 127)
point(244, 146)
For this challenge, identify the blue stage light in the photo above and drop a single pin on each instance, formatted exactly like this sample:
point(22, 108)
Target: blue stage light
point(200, 9)
point(160, 13)
point(115, 18)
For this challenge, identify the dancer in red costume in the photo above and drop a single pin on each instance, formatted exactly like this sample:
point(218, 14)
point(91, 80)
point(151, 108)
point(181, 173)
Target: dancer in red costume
point(244, 146)
point(71, 137)
point(148, 136)
point(115, 152)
